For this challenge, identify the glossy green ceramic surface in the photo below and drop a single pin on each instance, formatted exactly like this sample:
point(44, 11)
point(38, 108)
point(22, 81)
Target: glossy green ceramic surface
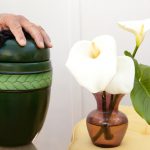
point(22, 114)
point(25, 68)
point(25, 83)
point(13, 52)
point(15, 59)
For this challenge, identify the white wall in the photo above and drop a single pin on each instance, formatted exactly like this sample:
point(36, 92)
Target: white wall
point(100, 17)
point(67, 21)
point(53, 15)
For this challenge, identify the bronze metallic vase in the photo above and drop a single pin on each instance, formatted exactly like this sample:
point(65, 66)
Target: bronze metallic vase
point(106, 125)
point(25, 83)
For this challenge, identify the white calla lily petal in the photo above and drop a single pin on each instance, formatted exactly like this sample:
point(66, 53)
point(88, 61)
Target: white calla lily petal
point(123, 81)
point(93, 73)
point(137, 27)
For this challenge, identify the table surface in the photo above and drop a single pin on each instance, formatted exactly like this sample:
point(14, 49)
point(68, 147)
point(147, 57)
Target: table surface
point(137, 136)
point(32, 146)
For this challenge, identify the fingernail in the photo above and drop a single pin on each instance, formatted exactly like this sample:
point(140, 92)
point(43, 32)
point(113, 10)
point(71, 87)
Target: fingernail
point(41, 44)
point(22, 42)
point(50, 44)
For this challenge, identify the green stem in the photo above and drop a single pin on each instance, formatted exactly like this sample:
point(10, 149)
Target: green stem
point(104, 101)
point(105, 129)
point(135, 51)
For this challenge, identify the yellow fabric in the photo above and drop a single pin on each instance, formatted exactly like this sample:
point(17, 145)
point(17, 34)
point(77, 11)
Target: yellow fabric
point(137, 136)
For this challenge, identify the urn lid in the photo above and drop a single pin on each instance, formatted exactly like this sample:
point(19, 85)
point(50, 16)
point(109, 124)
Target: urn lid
point(22, 59)
point(11, 51)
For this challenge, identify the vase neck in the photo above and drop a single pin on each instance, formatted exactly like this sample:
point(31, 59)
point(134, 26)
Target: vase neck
point(107, 102)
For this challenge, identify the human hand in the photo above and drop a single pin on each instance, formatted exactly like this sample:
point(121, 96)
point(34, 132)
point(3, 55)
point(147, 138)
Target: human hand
point(16, 24)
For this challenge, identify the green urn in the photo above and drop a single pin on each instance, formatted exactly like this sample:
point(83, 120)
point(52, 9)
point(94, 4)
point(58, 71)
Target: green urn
point(25, 82)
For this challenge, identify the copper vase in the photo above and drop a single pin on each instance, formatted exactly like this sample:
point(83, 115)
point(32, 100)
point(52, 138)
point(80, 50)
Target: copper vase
point(106, 125)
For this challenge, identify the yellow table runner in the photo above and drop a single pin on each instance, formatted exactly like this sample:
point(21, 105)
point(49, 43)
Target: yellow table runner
point(137, 136)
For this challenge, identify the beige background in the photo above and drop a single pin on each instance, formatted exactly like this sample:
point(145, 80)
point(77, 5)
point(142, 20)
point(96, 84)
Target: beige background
point(67, 21)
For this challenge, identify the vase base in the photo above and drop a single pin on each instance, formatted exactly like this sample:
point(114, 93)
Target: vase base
point(106, 136)
point(106, 146)
point(106, 125)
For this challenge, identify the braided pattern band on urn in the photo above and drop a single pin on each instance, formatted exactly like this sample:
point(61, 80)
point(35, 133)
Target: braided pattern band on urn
point(25, 82)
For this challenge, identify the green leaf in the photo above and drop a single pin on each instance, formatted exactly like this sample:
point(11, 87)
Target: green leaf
point(127, 53)
point(140, 94)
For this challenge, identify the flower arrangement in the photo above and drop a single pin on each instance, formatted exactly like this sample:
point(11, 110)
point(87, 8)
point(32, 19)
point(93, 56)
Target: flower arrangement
point(96, 66)
point(140, 94)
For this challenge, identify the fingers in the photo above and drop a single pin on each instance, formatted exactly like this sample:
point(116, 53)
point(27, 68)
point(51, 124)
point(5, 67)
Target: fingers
point(16, 22)
point(35, 34)
point(38, 34)
point(46, 38)
point(16, 29)
point(11, 22)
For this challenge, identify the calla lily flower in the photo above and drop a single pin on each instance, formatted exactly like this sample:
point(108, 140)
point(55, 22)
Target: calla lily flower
point(123, 80)
point(137, 27)
point(93, 63)
point(95, 66)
